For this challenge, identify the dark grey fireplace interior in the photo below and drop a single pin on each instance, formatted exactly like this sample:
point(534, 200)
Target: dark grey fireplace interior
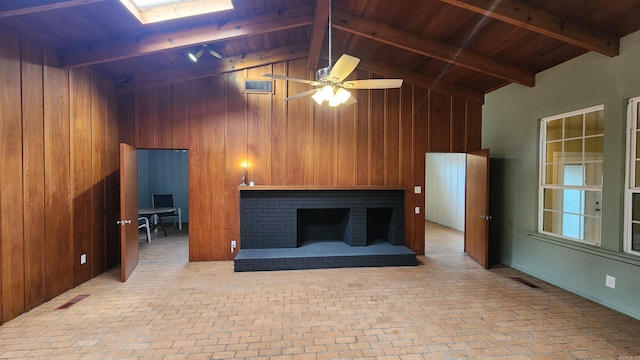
point(379, 225)
point(301, 229)
point(323, 225)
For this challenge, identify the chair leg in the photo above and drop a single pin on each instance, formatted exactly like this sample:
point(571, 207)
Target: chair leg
point(148, 230)
point(146, 226)
point(179, 219)
point(161, 226)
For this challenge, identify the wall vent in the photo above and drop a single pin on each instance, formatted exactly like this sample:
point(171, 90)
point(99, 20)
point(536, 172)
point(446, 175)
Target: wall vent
point(71, 302)
point(258, 86)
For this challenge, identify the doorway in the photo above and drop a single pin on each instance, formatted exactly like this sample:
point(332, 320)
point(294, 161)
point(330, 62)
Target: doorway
point(444, 202)
point(165, 172)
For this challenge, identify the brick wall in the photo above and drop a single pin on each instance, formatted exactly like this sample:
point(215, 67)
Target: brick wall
point(268, 218)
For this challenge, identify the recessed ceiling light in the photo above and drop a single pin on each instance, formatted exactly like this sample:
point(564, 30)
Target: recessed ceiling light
point(151, 11)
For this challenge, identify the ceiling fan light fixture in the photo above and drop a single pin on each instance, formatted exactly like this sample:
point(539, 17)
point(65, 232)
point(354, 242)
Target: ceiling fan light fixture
point(326, 94)
point(334, 101)
point(318, 97)
point(342, 95)
point(332, 95)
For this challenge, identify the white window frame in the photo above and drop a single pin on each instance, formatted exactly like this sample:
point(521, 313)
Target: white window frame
point(630, 187)
point(542, 186)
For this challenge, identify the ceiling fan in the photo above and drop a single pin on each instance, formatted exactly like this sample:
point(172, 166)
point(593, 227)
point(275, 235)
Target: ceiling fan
point(330, 85)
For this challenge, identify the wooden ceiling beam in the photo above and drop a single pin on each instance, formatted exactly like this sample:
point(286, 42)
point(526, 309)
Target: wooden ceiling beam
point(431, 48)
point(424, 81)
point(318, 32)
point(546, 22)
point(102, 52)
point(416, 78)
point(7, 11)
point(228, 64)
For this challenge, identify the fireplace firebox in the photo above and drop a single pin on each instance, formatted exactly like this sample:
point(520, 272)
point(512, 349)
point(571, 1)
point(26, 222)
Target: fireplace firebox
point(379, 224)
point(315, 225)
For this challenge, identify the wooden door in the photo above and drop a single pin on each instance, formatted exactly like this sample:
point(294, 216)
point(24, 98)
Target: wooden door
point(128, 210)
point(476, 224)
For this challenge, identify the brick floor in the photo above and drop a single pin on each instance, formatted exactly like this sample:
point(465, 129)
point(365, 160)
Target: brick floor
point(446, 308)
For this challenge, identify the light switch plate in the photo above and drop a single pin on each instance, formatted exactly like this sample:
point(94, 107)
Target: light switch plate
point(417, 209)
point(417, 189)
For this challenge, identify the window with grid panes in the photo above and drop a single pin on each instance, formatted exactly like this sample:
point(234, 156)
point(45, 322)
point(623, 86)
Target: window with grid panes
point(570, 203)
point(632, 195)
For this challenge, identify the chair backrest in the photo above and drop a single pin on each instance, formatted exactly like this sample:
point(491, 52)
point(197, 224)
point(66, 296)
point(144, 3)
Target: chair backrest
point(162, 200)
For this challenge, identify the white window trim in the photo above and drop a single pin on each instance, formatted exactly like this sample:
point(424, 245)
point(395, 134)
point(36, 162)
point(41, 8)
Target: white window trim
point(542, 174)
point(632, 116)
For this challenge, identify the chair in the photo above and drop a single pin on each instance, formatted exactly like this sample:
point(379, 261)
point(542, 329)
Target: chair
point(166, 200)
point(145, 224)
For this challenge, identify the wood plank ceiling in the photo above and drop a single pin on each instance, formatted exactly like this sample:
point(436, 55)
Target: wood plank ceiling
point(464, 48)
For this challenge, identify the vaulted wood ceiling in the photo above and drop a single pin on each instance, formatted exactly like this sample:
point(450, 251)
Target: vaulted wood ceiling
point(460, 47)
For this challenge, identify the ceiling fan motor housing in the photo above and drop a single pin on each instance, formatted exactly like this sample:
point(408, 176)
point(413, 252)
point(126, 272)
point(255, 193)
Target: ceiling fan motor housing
point(323, 74)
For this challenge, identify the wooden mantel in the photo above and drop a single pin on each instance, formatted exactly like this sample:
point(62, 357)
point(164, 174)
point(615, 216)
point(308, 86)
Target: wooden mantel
point(314, 187)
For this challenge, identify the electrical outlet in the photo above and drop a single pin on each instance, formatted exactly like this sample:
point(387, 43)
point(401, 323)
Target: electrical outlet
point(610, 281)
point(417, 189)
point(83, 259)
point(417, 209)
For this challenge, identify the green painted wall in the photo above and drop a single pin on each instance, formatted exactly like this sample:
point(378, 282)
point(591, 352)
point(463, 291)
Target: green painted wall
point(511, 120)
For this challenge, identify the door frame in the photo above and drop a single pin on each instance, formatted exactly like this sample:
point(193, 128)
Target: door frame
point(427, 190)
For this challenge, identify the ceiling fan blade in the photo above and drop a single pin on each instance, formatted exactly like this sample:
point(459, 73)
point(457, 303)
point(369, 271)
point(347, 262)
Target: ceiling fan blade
point(373, 84)
point(282, 77)
point(302, 94)
point(351, 100)
point(343, 67)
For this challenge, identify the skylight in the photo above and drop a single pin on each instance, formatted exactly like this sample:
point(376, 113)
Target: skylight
point(141, 4)
point(151, 11)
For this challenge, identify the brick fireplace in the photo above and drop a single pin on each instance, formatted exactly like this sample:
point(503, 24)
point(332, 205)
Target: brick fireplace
point(278, 218)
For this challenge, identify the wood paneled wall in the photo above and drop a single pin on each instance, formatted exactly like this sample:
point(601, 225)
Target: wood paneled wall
point(58, 158)
point(381, 140)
